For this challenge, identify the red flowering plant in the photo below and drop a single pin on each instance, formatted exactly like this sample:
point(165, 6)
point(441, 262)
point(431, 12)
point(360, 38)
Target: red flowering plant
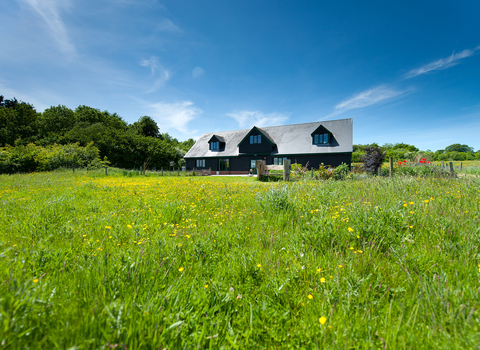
point(424, 161)
point(401, 163)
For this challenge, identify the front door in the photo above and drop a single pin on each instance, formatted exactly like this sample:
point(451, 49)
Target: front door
point(253, 165)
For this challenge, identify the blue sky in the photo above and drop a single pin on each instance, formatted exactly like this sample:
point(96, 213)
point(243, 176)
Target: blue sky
point(405, 71)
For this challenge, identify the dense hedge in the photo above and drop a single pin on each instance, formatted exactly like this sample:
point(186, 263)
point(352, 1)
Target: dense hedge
point(30, 158)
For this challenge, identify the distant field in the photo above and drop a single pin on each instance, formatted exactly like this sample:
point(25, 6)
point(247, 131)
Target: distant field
point(89, 261)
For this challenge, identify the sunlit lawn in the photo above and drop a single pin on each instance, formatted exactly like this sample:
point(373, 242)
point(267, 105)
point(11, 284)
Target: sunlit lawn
point(89, 261)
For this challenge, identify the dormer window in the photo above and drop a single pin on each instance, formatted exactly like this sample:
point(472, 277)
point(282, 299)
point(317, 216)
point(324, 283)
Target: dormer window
point(319, 139)
point(216, 143)
point(255, 139)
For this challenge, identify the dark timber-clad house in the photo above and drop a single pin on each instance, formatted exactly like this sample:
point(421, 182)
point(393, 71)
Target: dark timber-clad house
point(235, 152)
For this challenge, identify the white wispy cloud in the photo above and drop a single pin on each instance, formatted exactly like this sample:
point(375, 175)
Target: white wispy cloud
point(167, 25)
point(50, 10)
point(247, 119)
point(175, 115)
point(197, 72)
point(376, 95)
point(161, 74)
point(442, 63)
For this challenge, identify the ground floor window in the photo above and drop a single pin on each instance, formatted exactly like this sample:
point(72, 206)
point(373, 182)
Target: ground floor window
point(253, 163)
point(279, 160)
point(224, 164)
point(200, 163)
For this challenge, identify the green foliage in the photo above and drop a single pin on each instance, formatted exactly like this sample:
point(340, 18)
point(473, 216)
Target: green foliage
point(357, 156)
point(324, 172)
point(422, 170)
point(341, 171)
point(146, 126)
point(128, 146)
point(275, 200)
point(30, 158)
point(456, 147)
point(17, 122)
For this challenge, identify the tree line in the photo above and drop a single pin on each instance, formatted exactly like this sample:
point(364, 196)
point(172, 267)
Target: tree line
point(403, 151)
point(140, 144)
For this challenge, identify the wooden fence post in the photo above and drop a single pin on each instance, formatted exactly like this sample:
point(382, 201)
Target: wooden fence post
point(286, 169)
point(260, 169)
point(312, 172)
point(461, 166)
point(106, 170)
point(451, 169)
point(379, 171)
point(442, 165)
point(391, 166)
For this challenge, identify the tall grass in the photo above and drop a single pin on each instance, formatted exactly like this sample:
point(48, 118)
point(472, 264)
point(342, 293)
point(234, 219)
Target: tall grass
point(90, 261)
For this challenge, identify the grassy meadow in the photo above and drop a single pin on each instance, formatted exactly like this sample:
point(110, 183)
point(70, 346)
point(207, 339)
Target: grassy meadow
point(89, 261)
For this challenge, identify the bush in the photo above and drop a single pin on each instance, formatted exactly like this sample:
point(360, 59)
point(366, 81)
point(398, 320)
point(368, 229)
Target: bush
point(373, 159)
point(421, 170)
point(324, 172)
point(272, 178)
point(341, 171)
point(30, 158)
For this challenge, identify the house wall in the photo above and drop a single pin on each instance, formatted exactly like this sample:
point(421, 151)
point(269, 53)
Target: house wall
point(242, 163)
point(256, 148)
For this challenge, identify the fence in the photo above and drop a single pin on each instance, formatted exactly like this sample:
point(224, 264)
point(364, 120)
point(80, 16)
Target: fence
point(264, 170)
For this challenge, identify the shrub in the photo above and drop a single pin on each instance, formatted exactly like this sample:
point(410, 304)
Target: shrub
point(324, 172)
point(372, 159)
point(341, 171)
point(272, 178)
point(298, 169)
point(32, 158)
point(421, 170)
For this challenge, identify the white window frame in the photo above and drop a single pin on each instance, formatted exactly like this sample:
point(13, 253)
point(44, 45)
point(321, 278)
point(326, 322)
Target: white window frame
point(200, 163)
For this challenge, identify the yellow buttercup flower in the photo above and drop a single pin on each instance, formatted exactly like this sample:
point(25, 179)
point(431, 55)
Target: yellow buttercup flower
point(310, 296)
point(322, 280)
point(322, 320)
point(180, 269)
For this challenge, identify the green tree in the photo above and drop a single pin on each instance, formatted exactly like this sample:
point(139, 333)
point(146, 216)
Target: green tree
point(146, 126)
point(17, 122)
point(54, 122)
point(456, 147)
